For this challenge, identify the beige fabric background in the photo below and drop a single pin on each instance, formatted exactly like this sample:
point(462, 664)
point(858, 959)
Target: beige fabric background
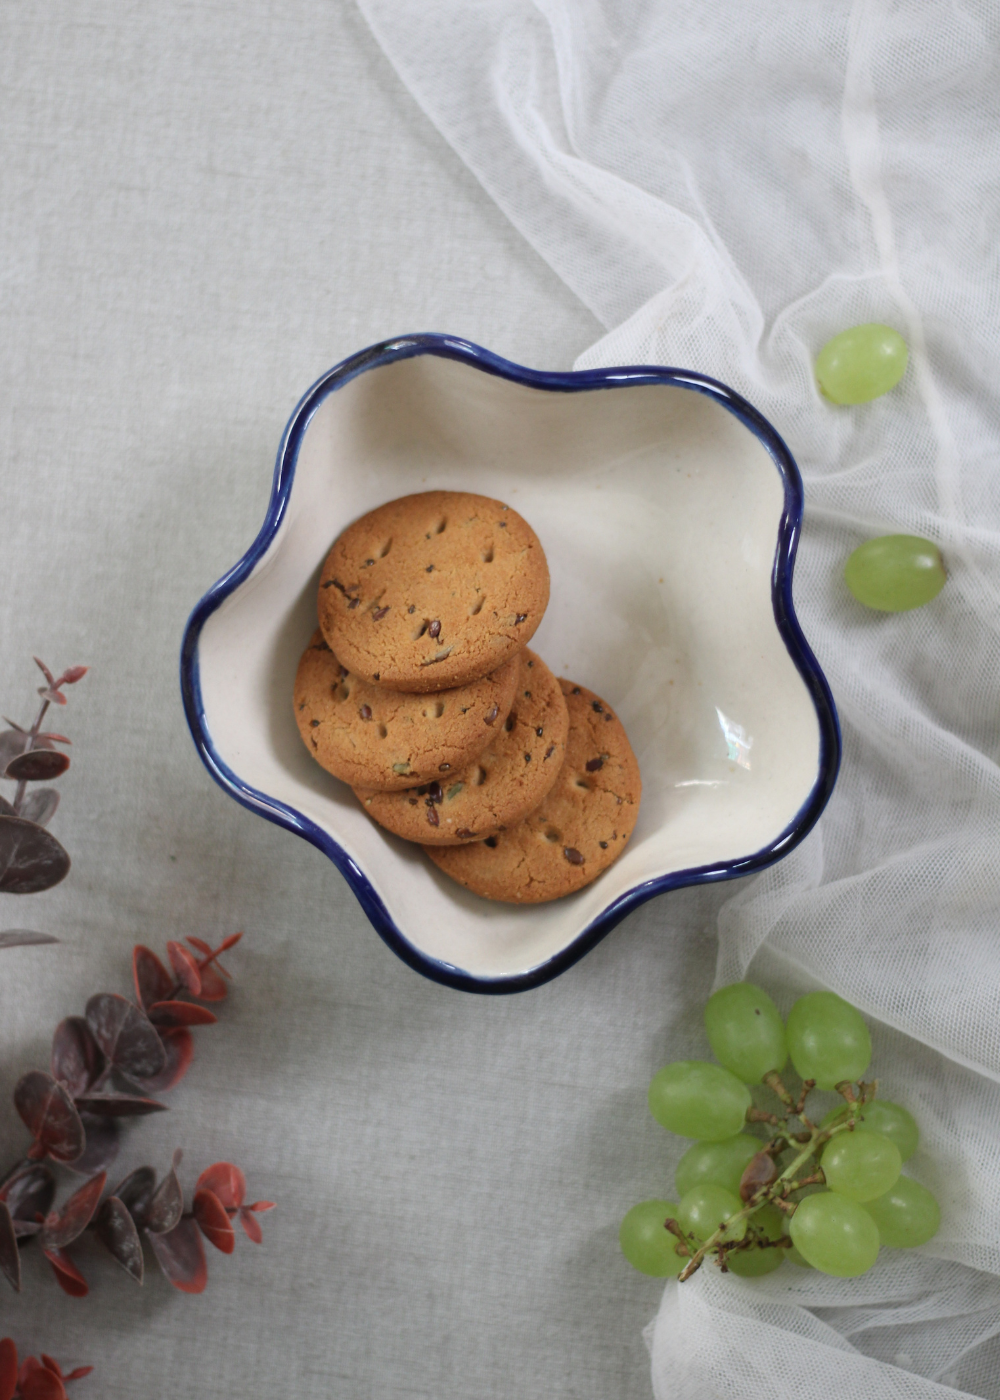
point(203, 207)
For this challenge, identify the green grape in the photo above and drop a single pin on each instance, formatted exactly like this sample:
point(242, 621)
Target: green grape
point(907, 1215)
point(746, 1032)
point(704, 1208)
point(861, 1165)
point(895, 573)
point(716, 1163)
point(883, 1117)
point(794, 1257)
point(835, 1235)
point(697, 1099)
point(646, 1245)
point(827, 1039)
point(859, 364)
point(754, 1262)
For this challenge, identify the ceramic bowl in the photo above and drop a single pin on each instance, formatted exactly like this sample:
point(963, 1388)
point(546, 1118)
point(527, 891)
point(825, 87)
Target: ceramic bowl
point(669, 510)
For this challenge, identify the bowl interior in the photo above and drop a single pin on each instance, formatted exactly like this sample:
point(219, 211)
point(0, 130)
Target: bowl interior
point(659, 512)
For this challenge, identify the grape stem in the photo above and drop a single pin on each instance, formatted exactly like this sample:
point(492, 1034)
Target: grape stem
point(788, 1181)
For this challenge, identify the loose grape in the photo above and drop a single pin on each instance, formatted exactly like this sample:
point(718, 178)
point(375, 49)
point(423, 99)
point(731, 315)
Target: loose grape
point(697, 1099)
point(907, 1215)
point(704, 1208)
point(754, 1262)
point(895, 573)
point(645, 1243)
point(861, 1165)
point(883, 1117)
point(827, 1039)
point(859, 364)
point(746, 1032)
point(835, 1235)
point(716, 1163)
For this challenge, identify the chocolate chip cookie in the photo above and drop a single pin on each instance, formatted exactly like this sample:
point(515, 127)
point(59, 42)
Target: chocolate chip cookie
point(433, 591)
point(579, 829)
point(382, 739)
point(501, 786)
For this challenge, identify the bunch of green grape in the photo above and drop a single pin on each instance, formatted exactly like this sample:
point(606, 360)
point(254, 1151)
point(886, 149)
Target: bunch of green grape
point(823, 1194)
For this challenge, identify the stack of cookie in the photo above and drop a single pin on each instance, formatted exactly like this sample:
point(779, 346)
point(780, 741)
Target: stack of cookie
point(418, 689)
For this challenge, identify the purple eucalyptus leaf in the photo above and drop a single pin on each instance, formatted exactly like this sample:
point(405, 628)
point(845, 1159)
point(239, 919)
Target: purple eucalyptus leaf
point(170, 1014)
point(31, 859)
point(136, 1193)
point(37, 766)
point(167, 1205)
point(12, 743)
point(7, 809)
point(125, 1035)
point(116, 1230)
point(103, 1140)
point(29, 1192)
point(23, 938)
point(63, 1226)
point(10, 1259)
point(40, 805)
point(48, 1113)
point(178, 1044)
point(181, 1256)
point(117, 1105)
point(76, 1056)
point(24, 1229)
point(152, 980)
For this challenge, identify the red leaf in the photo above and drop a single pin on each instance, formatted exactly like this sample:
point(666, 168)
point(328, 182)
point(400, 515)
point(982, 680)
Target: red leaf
point(43, 1384)
point(178, 1045)
point(8, 1369)
point(76, 1056)
point(225, 1181)
point(136, 1192)
point(117, 1232)
point(118, 1105)
point(62, 1227)
point(199, 944)
point(68, 1276)
point(185, 967)
point(48, 1113)
point(55, 697)
point(37, 765)
point(125, 1035)
point(180, 1013)
point(72, 675)
point(230, 942)
point(51, 738)
point(79, 1373)
point(152, 980)
point(213, 986)
point(251, 1226)
point(51, 1364)
point(181, 1256)
point(213, 1221)
point(10, 1259)
point(44, 670)
point(261, 1206)
point(167, 1205)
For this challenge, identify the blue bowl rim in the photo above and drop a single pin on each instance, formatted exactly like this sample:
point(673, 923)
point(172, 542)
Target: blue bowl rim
point(454, 348)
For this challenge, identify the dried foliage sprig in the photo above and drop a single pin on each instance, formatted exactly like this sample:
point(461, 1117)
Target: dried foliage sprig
point(106, 1065)
point(31, 859)
point(36, 1378)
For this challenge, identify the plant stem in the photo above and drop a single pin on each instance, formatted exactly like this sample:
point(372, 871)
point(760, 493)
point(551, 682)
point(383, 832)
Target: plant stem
point(22, 786)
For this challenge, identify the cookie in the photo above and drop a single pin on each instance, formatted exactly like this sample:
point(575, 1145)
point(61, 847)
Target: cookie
point(433, 591)
point(501, 786)
point(368, 735)
point(578, 831)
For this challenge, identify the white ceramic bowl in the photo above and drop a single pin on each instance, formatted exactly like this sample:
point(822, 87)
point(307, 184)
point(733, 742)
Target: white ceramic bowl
point(669, 510)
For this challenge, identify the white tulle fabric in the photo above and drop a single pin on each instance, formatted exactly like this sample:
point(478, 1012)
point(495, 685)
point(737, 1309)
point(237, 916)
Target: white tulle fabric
point(726, 186)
